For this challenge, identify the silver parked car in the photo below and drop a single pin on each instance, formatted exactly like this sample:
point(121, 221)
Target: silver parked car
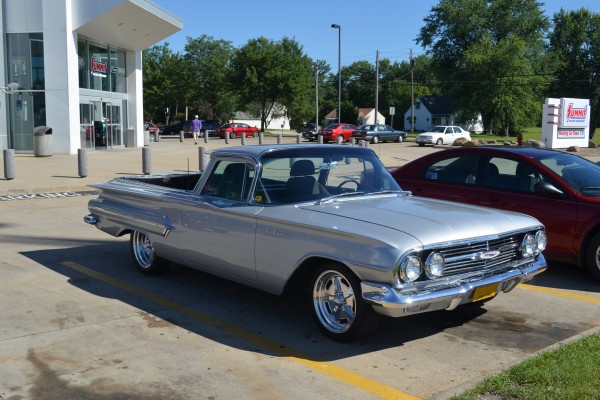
point(326, 222)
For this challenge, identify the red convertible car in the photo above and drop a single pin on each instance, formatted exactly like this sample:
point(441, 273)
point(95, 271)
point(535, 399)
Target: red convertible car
point(560, 189)
point(237, 129)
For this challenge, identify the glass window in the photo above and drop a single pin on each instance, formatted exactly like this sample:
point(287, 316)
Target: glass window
point(98, 62)
point(84, 65)
point(461, 169)
point(118, 80)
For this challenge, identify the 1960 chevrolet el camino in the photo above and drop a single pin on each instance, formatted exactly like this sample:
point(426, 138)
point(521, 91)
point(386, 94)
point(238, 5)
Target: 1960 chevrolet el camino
point(328, 219)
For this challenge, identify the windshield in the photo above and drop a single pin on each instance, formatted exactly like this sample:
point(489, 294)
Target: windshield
point(440, 129)
point(314, 174)
point(577, 172)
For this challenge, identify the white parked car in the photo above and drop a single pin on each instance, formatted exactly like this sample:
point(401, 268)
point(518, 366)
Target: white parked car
point(442, 134)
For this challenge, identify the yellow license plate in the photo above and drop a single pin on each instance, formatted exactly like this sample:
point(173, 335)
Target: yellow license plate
point(484, 292)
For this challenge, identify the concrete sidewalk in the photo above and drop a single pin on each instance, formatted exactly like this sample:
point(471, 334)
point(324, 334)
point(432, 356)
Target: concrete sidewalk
point(60, 173)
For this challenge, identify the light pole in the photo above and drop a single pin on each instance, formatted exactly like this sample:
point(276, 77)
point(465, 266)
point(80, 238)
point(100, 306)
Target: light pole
point(339, 28)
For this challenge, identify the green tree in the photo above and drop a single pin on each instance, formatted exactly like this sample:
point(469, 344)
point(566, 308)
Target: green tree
point(575, 45)
point(166, 82)
point(267, 73)
point(456, 29)
point(211, 96)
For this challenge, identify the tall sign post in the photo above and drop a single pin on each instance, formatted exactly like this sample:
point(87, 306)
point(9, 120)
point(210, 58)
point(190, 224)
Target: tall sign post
point(566, 122)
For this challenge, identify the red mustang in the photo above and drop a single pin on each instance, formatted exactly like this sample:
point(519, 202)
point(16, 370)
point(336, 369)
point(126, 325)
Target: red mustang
point(560, 189)
point(237, 129)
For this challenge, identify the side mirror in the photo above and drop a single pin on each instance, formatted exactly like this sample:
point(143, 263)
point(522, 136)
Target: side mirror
point(547, 188)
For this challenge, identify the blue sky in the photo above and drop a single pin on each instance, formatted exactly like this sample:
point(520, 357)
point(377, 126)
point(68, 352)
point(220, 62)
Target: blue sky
point(389, 26)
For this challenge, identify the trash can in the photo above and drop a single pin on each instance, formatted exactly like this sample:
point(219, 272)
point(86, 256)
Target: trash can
point(42, 141)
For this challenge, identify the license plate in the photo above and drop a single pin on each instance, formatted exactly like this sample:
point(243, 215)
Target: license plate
point(484, 292)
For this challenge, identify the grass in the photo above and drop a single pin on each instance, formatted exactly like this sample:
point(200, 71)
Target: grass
point(572, 371)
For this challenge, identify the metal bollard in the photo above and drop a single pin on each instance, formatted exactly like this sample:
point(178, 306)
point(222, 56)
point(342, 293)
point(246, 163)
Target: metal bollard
point(203, 158)
point(279, 138)
point(146, 160)
point(9, 163)
point(181, 136)
point(261, 138)
point(82, 162)
point(243, 139)
point(298, 138)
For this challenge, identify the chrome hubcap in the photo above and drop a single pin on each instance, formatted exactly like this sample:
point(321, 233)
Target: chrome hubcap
point(334, 301)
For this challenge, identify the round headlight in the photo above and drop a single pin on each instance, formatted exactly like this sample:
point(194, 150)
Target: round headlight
point(528, 246)
point(411, 269)
point(541, 240)
point(434, 265)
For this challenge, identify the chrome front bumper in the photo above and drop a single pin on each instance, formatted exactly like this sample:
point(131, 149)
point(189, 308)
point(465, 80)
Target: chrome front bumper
point(391, 302)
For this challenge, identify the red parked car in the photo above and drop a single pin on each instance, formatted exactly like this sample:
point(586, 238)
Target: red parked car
point(237, 129)
point(560, 189)
point(332, 131)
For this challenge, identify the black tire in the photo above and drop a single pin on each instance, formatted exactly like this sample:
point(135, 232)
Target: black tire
point(375, 140)
point(400, 139)
point(255, 134)
point(337, 305)
point(144, 258)
point(439, 142)
point(232, 135)
point(592, 256)
point(421, 144)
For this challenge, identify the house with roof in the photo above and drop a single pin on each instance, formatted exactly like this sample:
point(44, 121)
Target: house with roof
point(278, 118)
point(364, 116)
point(430, 111)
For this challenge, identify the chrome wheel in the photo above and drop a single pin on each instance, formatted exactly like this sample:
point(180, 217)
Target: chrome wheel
point(337, 304)
point(439, 142)
point(593, 257)
point(375, 140)
point(334, 301)
point(143, 254)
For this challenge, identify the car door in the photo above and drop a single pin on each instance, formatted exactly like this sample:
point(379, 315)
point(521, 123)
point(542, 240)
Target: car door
point(505, 190)
point(449, 178)
point(218, 226)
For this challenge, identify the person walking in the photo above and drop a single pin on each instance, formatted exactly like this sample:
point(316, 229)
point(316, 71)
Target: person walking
point(196, 128)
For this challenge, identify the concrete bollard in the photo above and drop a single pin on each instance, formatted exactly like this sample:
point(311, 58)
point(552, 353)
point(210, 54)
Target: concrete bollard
point(339, 139)
point(352, 141)
point(226, 138)
point(82, 163)
point(9, 163)
point(298, 138)
point(261, 138)
point(157, 138)
point(181, 135)
point(320, 140)
point(243, 139)
point(279, 138)
point(146, 160)
point(203, 163)
point(205, 136)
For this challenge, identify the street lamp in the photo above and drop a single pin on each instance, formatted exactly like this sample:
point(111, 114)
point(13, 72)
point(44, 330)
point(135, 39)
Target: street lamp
point(339, 28)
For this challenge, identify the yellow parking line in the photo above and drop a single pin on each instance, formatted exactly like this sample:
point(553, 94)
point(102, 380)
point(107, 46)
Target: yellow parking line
point(331, 370)
point(562, 293)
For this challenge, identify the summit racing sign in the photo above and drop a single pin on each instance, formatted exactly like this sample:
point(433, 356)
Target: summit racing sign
point(36, 196)
point(575, 113)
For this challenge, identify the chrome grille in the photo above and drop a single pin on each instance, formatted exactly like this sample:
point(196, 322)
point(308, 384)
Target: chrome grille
point(473, 257)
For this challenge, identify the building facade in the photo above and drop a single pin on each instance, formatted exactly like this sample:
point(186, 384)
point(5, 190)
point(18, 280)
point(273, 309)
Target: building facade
point(76, 66)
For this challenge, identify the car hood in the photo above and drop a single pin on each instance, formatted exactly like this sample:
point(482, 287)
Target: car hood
point(429, 221)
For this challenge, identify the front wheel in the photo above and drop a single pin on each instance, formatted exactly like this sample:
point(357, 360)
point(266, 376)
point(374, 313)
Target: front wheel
point(144, 258)
point(337, 303)
point(439, 142)
point(593, 257)
point(255, 134)
point(400, 139)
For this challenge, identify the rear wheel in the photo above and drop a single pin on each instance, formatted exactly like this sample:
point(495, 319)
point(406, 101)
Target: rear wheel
point(144, 258)
point(337, 304)
point(375, 140)
point(593, 256)
point(232, 135)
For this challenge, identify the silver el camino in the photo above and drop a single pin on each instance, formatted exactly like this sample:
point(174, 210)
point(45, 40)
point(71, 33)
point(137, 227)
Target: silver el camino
point(326, 219)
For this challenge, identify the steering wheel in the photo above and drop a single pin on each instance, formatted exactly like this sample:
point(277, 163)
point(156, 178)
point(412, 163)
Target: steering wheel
point(349, 181)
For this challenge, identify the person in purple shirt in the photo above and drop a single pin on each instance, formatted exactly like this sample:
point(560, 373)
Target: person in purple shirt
point(196, 128)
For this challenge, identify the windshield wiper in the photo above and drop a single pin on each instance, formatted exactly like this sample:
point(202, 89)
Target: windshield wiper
point(348, 194)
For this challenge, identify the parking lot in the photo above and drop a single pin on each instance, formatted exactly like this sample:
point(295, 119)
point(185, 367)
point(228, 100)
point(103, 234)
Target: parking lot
point(79, 321)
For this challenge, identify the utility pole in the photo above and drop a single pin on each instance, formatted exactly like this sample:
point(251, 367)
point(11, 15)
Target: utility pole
point(412, 94)
point(376, 86)
point(317, 99)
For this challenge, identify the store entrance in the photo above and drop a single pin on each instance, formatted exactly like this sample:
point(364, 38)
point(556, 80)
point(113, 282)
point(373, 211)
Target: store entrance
point(100, 125)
